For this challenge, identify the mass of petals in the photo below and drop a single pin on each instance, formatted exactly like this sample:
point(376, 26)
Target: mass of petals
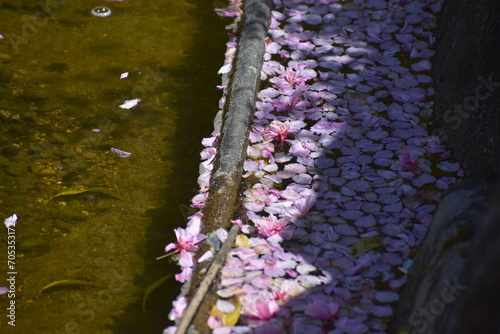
point(341, 177)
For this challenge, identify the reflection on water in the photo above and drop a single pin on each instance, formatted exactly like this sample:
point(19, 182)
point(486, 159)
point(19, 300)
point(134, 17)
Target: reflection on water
point(60, 89)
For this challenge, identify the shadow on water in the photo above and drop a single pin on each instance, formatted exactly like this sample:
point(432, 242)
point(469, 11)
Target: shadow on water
point(196, 102)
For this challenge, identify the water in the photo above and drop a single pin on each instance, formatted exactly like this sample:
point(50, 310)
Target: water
point(60, 89)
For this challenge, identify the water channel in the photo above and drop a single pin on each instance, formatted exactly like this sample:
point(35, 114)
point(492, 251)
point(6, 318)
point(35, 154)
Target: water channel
point(60, 92)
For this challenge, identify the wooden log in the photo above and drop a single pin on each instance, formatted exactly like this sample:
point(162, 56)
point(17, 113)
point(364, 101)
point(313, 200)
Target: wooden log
point(223, 200)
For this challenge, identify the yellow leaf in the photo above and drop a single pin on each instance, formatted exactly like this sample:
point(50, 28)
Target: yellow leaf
point(81, 191)
point(214, 312)
point(366, 244)
point(228, 319)
point(242, 241)
point(152, 288)
point(66, 282)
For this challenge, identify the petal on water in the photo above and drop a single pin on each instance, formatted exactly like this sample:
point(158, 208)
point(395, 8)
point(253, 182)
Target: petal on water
point(3, 289)
point(11, 221)
point(120, 153)
point(129, 104)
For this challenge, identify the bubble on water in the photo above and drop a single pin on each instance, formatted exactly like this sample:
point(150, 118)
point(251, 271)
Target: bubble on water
point(101, 11)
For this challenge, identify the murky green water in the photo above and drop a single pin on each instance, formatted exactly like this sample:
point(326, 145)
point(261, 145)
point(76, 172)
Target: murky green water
point(60, 89)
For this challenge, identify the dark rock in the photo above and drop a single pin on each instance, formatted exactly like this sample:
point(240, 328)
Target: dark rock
point(454, 284)
point(479, 310)
point(436, 283)
point(467, 79)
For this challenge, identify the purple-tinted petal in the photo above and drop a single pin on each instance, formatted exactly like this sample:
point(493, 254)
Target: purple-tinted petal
point(380, 310)
point(3, 290)
point(324, 162)
point(120, 153)
point(365, 221)
point(423, 65)
point(386, 296)
point(313, 19)
point(351, 326)
point(345, 229)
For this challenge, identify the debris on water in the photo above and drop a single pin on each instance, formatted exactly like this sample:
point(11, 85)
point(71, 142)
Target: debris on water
point(123, 75)
point(69, 282)
point(88, 190)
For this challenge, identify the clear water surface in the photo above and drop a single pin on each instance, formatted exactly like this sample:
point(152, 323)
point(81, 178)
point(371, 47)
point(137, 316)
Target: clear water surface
point(60, 89)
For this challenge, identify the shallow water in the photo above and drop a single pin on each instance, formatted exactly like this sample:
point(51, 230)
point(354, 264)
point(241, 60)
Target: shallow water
point(60, 89)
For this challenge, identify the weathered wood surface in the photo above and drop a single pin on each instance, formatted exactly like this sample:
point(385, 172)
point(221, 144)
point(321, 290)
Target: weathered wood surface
point(222, 204)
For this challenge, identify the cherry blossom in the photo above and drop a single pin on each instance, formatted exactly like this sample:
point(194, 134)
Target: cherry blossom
point(278, 131)
point(270, 225)
point(261, 309)
point(187, 239)
point(287, 103)
point(179, 308)
point(407, 162)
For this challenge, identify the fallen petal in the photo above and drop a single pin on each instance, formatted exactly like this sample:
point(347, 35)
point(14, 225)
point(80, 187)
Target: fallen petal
point(11, 221)
point(3, 289)
point(120, 153)
point(129, 104)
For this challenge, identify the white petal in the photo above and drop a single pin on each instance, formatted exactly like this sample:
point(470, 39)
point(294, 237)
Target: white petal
point(224, 306)
point(221, 234)
point(225, 69)
point(208, 255)
point(120, 153)
point(11, 221)
point(130, 104)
